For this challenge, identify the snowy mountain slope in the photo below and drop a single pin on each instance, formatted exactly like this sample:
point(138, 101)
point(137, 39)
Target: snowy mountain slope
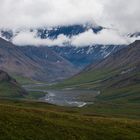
point(83, 56)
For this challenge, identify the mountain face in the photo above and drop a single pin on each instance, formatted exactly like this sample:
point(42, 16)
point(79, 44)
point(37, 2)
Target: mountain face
point(13, 60)
point(39, 64)
point(83, 56)
point(9, 87)
point(55, 66)
point(126, 57)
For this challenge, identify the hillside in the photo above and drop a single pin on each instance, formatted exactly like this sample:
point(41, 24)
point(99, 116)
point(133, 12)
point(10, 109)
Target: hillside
point(43, 65)
point(9, 88)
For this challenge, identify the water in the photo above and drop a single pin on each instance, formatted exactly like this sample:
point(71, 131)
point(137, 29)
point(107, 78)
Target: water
point(72, 98)
point(67, 97)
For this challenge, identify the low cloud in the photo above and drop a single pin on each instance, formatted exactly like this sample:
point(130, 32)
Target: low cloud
point(105, 37)
point(30, 38)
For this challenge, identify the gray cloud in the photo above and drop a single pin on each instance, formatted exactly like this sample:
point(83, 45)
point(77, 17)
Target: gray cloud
point(121, 17)
point(37, 13)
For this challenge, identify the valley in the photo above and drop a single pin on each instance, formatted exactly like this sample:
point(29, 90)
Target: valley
point(69, 70)
point(46, 90)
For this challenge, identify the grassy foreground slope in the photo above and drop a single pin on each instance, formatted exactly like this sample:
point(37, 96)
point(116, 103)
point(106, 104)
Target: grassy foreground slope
point(38, 121)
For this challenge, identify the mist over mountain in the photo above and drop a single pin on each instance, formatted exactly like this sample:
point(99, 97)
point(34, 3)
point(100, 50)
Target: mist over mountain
point(79, 35)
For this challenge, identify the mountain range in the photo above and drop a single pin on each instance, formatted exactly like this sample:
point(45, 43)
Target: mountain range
point(80, 57)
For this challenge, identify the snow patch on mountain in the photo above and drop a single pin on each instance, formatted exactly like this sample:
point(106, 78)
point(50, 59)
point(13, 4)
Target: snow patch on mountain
point(83, 56)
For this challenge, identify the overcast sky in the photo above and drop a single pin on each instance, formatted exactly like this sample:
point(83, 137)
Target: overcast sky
point(123, 16)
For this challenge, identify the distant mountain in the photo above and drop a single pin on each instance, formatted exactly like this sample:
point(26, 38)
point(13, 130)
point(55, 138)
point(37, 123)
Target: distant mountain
point(39, 64)
point(9, 87)
point(83, 56)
